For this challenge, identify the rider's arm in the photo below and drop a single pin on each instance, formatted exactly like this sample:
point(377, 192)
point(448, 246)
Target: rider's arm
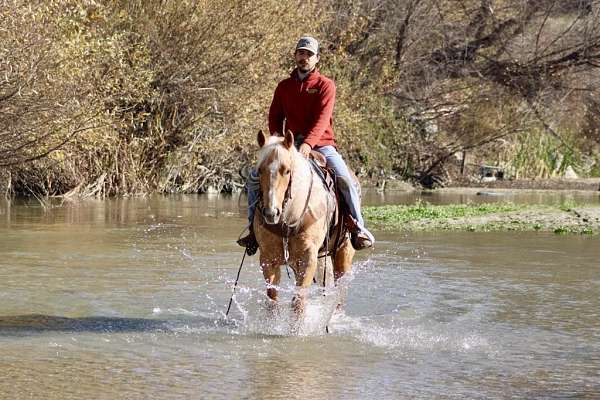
point(276, 113)
point(324, 114)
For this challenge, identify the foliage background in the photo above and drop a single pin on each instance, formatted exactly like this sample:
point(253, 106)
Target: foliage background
point(121, 97)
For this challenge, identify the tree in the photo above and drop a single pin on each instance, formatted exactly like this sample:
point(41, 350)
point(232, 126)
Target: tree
point(476, 71)
point(39, 111)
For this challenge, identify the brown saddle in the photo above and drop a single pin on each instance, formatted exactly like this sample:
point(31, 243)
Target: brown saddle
point(341, 222)
point(319, 159)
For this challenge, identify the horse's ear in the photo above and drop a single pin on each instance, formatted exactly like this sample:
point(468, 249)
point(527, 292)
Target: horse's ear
point(261, 138)
point(288, 140)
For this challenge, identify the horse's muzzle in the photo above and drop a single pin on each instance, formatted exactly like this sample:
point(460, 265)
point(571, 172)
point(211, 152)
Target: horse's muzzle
point(272, 215)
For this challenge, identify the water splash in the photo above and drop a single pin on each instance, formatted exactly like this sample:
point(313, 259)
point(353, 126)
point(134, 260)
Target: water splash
point(409, 338)
point(255, 314)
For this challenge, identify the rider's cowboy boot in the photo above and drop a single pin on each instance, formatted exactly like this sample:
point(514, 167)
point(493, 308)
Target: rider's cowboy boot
point(249, 242)
point(361, 239)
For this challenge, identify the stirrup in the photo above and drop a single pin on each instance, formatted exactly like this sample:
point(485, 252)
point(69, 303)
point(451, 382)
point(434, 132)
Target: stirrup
point(361, 239)
point(249, 242)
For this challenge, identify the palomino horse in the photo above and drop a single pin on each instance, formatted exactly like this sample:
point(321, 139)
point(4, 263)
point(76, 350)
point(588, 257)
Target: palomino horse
point(293, 218)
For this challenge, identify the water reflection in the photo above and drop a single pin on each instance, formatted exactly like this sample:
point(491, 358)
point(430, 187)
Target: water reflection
point(160, 209)
point(477, 196)
point(36, 323)
point(121, 211)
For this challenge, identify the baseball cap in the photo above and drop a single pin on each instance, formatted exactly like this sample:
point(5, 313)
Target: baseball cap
point(308, 43)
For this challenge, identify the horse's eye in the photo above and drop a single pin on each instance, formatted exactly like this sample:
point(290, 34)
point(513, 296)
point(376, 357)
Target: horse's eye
point(284, 171)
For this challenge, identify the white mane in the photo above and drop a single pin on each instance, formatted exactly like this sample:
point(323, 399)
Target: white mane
point(273, 143)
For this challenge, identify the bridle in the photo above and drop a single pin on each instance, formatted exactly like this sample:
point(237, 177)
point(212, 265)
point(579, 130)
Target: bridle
point(284, 228)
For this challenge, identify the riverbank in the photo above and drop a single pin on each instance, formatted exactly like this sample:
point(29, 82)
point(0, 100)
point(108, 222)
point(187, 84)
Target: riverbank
point(583, 184)
point(501, 186)
point(560, 219)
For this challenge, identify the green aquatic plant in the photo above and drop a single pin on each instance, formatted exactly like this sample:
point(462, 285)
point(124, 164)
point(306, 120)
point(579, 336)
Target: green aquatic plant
point(425, 211)
point(566, 230)
point(485, 217)
point(567, 205)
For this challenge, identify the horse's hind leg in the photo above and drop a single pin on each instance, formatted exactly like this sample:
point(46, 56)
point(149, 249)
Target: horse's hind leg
point(342, 265)
point(342, 262)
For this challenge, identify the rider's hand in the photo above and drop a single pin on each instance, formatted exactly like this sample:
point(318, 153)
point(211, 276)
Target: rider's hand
point(305, 149)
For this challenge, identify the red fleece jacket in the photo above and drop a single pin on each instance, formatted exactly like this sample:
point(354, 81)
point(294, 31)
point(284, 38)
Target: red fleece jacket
point(306, 107)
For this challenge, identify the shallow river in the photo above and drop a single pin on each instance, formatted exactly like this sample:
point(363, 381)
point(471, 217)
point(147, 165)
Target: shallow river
point(125, 299)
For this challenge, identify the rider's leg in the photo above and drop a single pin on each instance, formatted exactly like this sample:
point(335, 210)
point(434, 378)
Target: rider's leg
point(361, 237)
point(252, 189)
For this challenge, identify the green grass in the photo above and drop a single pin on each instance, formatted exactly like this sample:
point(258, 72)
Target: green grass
point(425, 211)
point(503, 217)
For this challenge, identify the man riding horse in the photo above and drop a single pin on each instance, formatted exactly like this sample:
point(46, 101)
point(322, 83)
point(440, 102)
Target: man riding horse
point(305, 102)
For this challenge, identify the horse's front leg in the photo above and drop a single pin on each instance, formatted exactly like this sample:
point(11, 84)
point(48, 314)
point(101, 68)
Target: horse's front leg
point(305, 268)
point(272, 273)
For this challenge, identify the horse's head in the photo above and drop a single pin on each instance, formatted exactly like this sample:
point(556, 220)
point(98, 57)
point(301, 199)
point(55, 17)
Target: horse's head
point(275, 164)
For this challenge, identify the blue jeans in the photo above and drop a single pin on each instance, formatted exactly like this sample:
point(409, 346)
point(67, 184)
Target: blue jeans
point(347, 186)
point(253, 189)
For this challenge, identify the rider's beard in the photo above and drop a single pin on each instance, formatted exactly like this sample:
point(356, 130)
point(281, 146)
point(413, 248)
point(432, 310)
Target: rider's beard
point(304, 68)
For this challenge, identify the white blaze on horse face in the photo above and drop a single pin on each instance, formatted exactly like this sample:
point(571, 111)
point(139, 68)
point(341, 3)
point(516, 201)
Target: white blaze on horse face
point(272, 196)
point(274, 179)
point(273, 188)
